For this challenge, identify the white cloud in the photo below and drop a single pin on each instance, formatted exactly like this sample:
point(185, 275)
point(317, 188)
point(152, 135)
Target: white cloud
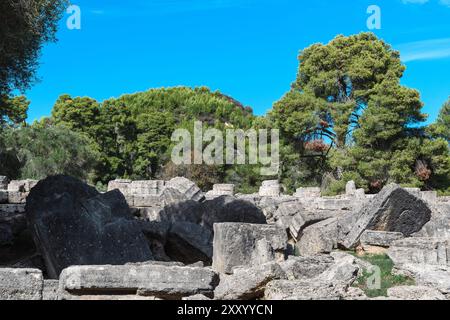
point(445, 2)
point(424, 50)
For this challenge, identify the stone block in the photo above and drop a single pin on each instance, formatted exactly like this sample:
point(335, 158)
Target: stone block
point(247, 245)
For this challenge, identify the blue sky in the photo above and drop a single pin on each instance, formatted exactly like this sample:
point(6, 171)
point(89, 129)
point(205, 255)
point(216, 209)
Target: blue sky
point(245, 48)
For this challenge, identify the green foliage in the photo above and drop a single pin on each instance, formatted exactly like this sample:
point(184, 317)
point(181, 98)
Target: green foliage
point(133, 132)
point(24, 27)
point(347, 117)
point(441, 128)
point(388, 280)
point(13, 111)
point(38, 151)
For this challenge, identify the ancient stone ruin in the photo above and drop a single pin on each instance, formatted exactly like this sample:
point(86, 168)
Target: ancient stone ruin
point(61, 239)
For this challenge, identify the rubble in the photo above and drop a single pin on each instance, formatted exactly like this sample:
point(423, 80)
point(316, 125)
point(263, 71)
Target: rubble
point(155, 239)
point(240, 244)
point(393, 209)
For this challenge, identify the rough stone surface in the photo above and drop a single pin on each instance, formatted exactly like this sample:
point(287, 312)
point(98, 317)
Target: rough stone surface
point(15, 197)
point(380, 238)
point(311, 192)
point(350, 188)
point(230, 209)
point(393, 209)
point(355, 294)
point(188, 188)
point(319, 238)
point(304, 290)
point(304, 219)
point(415, 293)
point(21, 185)
point(248, 284)
point(50, 290)
point(238, 244)
point(166, 282)
point(343, 270)
point(427, 275)
point(439, 224)
point(270, 188)
point(432, 251)
point(189, 243)
point(220, 190)
point(297, 268)
point(21, 284)
point(73, 224)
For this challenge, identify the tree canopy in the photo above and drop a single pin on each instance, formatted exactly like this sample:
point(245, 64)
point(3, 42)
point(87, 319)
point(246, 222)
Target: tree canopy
point(349, 113)
point(133, 132)
point(24, 26)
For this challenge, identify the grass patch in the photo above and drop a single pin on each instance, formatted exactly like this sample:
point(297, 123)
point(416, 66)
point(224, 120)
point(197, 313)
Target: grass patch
point(388, 280)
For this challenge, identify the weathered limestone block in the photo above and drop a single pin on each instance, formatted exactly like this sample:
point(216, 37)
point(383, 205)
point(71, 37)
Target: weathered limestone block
point(350, 188)
point(166, 282)
point(120, 184)
point(304, 290)
point(144, 201)
point(21, 284)
point(354, 294)
point(270, 188)
point(427, 275)
point(268, 205)
point(413, 191)
point(319, 238)
point(15, 197)
point(21, 185)
point(248, 284)
point(149, 213)
point(297, 268)
point(420, 250)
point(380, 238)
point(343, 270)
point(221, 190)
point(393, 209)
point(304, 219)
point(186, 187)
point(285, 212)
point(360, 194)
point(439, 224)
point(415, 293)
point(310, 192)
point(333, 204)
point(246, 245)
point(429, 197)
point(50, 290)
point(72, 224)
point(289, 209)
point(362, 264)
point(146, 187)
